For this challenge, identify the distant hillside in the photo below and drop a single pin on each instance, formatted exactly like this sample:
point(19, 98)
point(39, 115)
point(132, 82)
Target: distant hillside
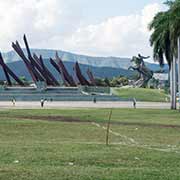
point(99, 72)
point(113, 62)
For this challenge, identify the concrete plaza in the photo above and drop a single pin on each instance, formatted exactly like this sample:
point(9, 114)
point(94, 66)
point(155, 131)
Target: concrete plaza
point(80, 104)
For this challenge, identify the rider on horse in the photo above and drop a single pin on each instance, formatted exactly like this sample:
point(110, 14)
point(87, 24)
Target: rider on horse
point(145, 74)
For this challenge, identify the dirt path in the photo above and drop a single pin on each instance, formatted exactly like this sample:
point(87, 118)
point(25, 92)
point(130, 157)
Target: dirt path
point(77, 120)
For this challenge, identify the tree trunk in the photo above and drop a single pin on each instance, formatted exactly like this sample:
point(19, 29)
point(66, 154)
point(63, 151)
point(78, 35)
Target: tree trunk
point(173, 83)
point(179, 67)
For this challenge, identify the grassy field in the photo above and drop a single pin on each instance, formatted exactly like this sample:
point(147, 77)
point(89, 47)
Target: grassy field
point(70, 144)
point(142, 94)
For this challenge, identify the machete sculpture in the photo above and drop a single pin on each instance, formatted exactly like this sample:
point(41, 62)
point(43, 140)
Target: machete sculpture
point(91, 77)
point(64, 73)
point(53, 79)
point(80, 77)
point(33, 72)
point(40, 73)
point(36, 64)
point(8, 72)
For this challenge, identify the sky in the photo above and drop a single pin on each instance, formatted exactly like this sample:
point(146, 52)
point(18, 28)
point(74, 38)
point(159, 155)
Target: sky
point(90, 27)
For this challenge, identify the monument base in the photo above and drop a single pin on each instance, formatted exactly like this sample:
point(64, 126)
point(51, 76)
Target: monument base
point(55, 94)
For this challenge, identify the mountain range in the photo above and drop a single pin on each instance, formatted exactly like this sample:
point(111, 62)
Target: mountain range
point(101, 66)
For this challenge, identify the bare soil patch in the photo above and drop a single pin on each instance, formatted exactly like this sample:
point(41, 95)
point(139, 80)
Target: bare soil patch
point(76, 120)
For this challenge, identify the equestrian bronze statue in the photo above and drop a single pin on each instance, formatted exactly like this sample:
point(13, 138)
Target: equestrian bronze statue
point(144, 74)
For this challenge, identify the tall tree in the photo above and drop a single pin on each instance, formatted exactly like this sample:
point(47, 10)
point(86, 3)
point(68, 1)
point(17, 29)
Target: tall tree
point(165, 32)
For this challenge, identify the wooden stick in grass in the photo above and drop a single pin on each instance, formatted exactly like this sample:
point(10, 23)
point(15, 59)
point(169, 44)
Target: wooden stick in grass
point(108, 127)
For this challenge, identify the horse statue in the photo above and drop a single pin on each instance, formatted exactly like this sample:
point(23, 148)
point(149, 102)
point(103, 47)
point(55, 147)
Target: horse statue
point(144, 74)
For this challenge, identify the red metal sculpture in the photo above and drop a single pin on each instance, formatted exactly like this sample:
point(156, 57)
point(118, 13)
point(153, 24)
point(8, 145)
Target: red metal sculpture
point(8, 72)
point(79, 75)
point(91, 77)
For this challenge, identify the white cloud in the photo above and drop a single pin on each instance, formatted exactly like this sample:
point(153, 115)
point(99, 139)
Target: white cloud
point(120, 36)
point(58, 24)
point(42, 20)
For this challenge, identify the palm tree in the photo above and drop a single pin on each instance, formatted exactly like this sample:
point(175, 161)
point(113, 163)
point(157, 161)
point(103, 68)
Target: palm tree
point(175, 24)
point(165, 27)
point(175, 29)
point(160, 38)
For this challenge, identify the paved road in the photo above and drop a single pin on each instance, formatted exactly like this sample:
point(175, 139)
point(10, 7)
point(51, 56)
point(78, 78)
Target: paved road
point(56, 105)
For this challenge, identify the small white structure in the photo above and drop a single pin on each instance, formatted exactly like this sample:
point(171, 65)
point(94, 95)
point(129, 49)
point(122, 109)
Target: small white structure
point(161, 76)
point(162, 79)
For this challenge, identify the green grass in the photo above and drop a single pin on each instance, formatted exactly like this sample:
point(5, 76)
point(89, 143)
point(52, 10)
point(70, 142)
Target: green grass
point(147, 147)
point(142, 94)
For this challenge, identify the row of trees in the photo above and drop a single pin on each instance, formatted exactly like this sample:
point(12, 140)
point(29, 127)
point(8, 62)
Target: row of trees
point(115, 82)
point(165, 40)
